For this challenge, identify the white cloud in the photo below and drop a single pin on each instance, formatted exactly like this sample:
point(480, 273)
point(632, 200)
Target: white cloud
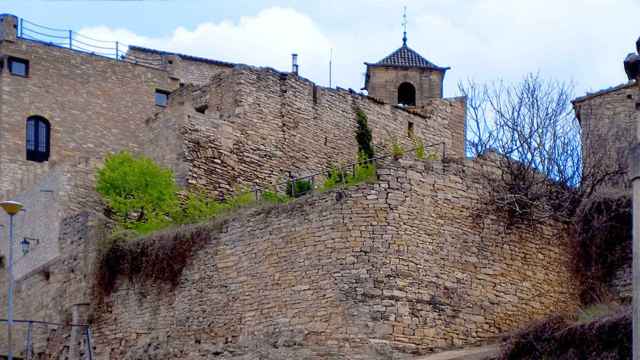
point(581, 41)
point(267, 39)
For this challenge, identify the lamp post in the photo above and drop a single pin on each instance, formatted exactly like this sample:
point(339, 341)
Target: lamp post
point(11, 208)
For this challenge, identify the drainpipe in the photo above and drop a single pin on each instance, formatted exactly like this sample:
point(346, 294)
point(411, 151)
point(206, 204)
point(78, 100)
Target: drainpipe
point(635, 179)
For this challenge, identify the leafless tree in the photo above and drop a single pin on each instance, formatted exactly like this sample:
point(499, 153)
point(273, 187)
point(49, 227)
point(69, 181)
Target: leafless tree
point(532, 129)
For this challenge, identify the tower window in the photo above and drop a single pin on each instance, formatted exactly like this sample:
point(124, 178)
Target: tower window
point(162, 97)
point(38, 139)
point(17, 66)
point(406, 94)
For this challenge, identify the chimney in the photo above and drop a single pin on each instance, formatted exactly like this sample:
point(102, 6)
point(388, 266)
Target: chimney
point(294, 63)
point(8, 27)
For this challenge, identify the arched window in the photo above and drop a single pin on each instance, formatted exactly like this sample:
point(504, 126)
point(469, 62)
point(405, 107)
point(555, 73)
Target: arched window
point(38, 138)
point(406, 94)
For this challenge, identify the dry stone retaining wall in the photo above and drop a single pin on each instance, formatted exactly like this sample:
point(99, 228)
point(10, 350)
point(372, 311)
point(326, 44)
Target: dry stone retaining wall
point(410, 264)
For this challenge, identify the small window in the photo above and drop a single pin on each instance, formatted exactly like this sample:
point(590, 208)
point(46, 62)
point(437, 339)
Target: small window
point(162, 98)
point(410, 130)
point(38, 139)
point(406, 94)
point(19, 67)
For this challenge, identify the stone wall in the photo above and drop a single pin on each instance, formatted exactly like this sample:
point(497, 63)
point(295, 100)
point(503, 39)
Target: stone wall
point(187, 69)
point(55, 291)
point(67, 189)
point(94, 105)
point(609, 121)
point(384, 82)
point(410, 264)
point(258, 125)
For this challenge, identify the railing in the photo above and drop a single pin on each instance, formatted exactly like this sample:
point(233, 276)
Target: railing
point(28, 353)
point(343, 170)
point(76, 41)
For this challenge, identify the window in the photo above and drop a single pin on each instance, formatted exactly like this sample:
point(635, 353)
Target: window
point(38, 141)
point(406, 94)
point(19, 67)
point(162, 97)
point(410, 129)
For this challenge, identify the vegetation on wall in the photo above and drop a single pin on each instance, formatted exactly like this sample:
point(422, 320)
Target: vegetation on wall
point(139, 193)
point(363, 135)
point(564, 338)
point(602, 243)
point(531, 129)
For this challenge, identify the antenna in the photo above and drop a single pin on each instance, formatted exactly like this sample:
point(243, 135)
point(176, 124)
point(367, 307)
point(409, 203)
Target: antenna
point(404, 26)
point(330, 64)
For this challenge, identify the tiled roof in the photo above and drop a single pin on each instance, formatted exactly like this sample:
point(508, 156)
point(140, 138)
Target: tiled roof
point(407, 57)
point(604, 91)
point(184, 56)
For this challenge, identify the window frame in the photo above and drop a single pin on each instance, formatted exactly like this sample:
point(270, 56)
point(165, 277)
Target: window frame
point(41, 126)
point(14, 59)
point(162, 92)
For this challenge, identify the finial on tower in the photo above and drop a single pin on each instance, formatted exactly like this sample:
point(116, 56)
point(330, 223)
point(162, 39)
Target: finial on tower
point(404, 25)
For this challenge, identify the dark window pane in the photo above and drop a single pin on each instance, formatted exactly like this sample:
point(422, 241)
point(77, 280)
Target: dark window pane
point(18, 67)
point(37, 139)
point(162, 98)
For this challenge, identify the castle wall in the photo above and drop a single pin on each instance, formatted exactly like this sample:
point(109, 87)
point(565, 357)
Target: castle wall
point(95, 105)
point(412, 263)
point(384, 82)
point(65, 190)
point(183, 68)
point(609, 121)
point(259, 125)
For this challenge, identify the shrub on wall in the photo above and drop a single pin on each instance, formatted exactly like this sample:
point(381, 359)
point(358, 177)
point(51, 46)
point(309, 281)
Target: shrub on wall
point(297, 188)
point(602, 244)
point(139, 192)
point(363, 135)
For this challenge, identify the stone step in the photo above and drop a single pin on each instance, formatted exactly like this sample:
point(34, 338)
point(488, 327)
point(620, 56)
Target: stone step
point(488, 352)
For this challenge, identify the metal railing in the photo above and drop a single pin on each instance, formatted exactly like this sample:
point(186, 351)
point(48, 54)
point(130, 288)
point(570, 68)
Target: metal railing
point(77, 41)
point(29, 336)
point(289, 186)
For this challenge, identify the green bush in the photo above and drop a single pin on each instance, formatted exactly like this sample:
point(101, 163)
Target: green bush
point(274, 198)
point(363, 171)
point(298, 187)
point(363, 135)
point(396, 149)
point(140, 193)
point(420, 151)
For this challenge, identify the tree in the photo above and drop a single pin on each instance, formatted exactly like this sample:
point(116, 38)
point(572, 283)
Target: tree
point(139, 192)
point(532, 128)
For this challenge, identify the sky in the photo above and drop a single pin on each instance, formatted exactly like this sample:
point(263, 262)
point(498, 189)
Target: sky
point(582, 42)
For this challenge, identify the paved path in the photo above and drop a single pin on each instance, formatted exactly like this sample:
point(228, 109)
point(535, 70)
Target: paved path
point(479, 353)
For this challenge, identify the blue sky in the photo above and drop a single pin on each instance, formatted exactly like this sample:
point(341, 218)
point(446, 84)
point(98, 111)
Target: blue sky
point(580, 41)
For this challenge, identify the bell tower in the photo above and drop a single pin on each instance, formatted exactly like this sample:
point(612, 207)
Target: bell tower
point(404, 77)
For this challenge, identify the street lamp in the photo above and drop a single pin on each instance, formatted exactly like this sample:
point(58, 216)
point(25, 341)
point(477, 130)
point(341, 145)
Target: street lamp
point(11, 208)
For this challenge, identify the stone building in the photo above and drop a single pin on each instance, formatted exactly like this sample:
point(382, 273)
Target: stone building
point(609, 119)
point(410, 264)
point(405, 78)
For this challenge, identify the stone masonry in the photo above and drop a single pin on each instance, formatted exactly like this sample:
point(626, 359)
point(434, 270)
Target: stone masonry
point(411, 264)
point(257, 126)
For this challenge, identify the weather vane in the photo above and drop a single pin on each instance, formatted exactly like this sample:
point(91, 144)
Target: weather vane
point(404, 26)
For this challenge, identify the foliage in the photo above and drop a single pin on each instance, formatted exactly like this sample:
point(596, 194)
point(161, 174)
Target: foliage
point(363, 171)
point(274, 198)
point(606, 337)
point(363, 135)
point(603, 241)
point(158, 257)
point(397, 151)
point(419, 146)
point(298, 187)
point(532, 128)
point(139, 192)
point(595, 311)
